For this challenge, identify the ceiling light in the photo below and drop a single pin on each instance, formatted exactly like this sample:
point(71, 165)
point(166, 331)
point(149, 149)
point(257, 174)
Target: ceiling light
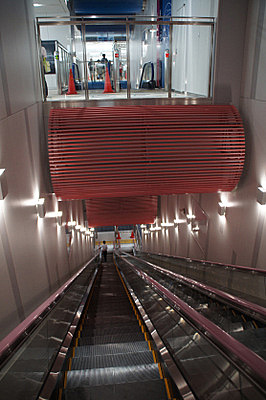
point(261, 195)
point(3, 184)
point(38, 5)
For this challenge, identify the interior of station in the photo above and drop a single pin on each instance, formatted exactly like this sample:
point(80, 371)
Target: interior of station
point(139, 125)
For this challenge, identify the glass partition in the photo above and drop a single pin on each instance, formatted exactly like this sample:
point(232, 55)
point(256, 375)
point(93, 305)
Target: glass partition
point(24, 373)
point(111, 58)
point(207, 370)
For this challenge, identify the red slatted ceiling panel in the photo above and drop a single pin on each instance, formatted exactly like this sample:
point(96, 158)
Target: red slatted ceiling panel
point(121, 211)
point(144, 150)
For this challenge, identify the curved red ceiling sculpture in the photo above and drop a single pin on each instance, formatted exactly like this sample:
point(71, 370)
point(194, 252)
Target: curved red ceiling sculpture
point(98, 152)
point(121, 211)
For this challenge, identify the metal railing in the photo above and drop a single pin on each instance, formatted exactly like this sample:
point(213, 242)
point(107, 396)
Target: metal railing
point(129, 22)
point(246, 362)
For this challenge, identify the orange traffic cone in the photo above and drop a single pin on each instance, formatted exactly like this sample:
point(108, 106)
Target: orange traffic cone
point(71, 84)
point(107, 83)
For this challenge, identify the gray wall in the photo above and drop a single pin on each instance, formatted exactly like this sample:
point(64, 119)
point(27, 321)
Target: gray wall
point(34, 260)
point(240, 76)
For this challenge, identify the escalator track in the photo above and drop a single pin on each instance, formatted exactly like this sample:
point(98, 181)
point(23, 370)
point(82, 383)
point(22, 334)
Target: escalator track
point(113, 355)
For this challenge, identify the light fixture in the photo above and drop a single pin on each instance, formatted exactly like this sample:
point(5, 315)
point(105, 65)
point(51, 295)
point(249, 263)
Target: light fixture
point(87, 232)
point(71, 224)
point(38, 5)
point(195, 229)
point(3, 184)
point(59, 217)
point(92, 229)
point(40, 206)
point(221, 209)
point(167, 224)
point(179, 221)
point(143, 226)
point(146, 232)
point(83, 229)
point(261, 195)
point(78, 227)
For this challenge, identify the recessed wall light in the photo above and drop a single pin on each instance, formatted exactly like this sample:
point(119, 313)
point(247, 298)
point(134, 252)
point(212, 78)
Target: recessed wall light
point(167, 224)
point(261, 195)
point(40, 206)
point(3, 184)
point(59, 217)
point(221, 209)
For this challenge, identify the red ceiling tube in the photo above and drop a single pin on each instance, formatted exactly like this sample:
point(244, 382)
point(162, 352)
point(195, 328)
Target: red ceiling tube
point(121, 211)
point(98, 152)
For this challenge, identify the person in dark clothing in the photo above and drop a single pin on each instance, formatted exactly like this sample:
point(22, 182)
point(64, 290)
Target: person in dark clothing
point(104, 251)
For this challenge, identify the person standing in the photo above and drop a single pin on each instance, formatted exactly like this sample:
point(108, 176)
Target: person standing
point(104, 251)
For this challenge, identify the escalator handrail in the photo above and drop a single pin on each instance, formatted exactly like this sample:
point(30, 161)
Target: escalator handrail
point(241, 303)
point(255, 364)
point(13, 337)
point(211, 263)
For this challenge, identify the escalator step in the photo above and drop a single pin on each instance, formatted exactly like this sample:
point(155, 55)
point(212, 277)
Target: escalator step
point(112, 330)
point(116, 320)
point(118, 338)
point(146, 390)
point(112, 360)
point(110, 376)
point(115, 348)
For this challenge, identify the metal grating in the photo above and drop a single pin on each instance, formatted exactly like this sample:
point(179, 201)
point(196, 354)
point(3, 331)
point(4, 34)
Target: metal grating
point(98, 152)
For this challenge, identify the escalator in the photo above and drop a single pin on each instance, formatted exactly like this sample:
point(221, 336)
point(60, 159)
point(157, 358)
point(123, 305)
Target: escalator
point(243, 324)
point(112, 356)
point(215, 365)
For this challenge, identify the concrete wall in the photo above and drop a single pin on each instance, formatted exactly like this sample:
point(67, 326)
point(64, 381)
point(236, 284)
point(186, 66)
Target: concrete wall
point(240, 236)
point(34, 260)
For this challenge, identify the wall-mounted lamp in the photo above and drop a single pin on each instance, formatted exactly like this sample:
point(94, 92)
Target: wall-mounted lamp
point(261, 195)
point(3, 184)
point(71, 224)
point(195, 229)
point(40, 207)
point(221, 209)
point(143, 226)
point(155, 228)
point(190, 218)
point(167, 224)
point(179, 221)
point(59, 217)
